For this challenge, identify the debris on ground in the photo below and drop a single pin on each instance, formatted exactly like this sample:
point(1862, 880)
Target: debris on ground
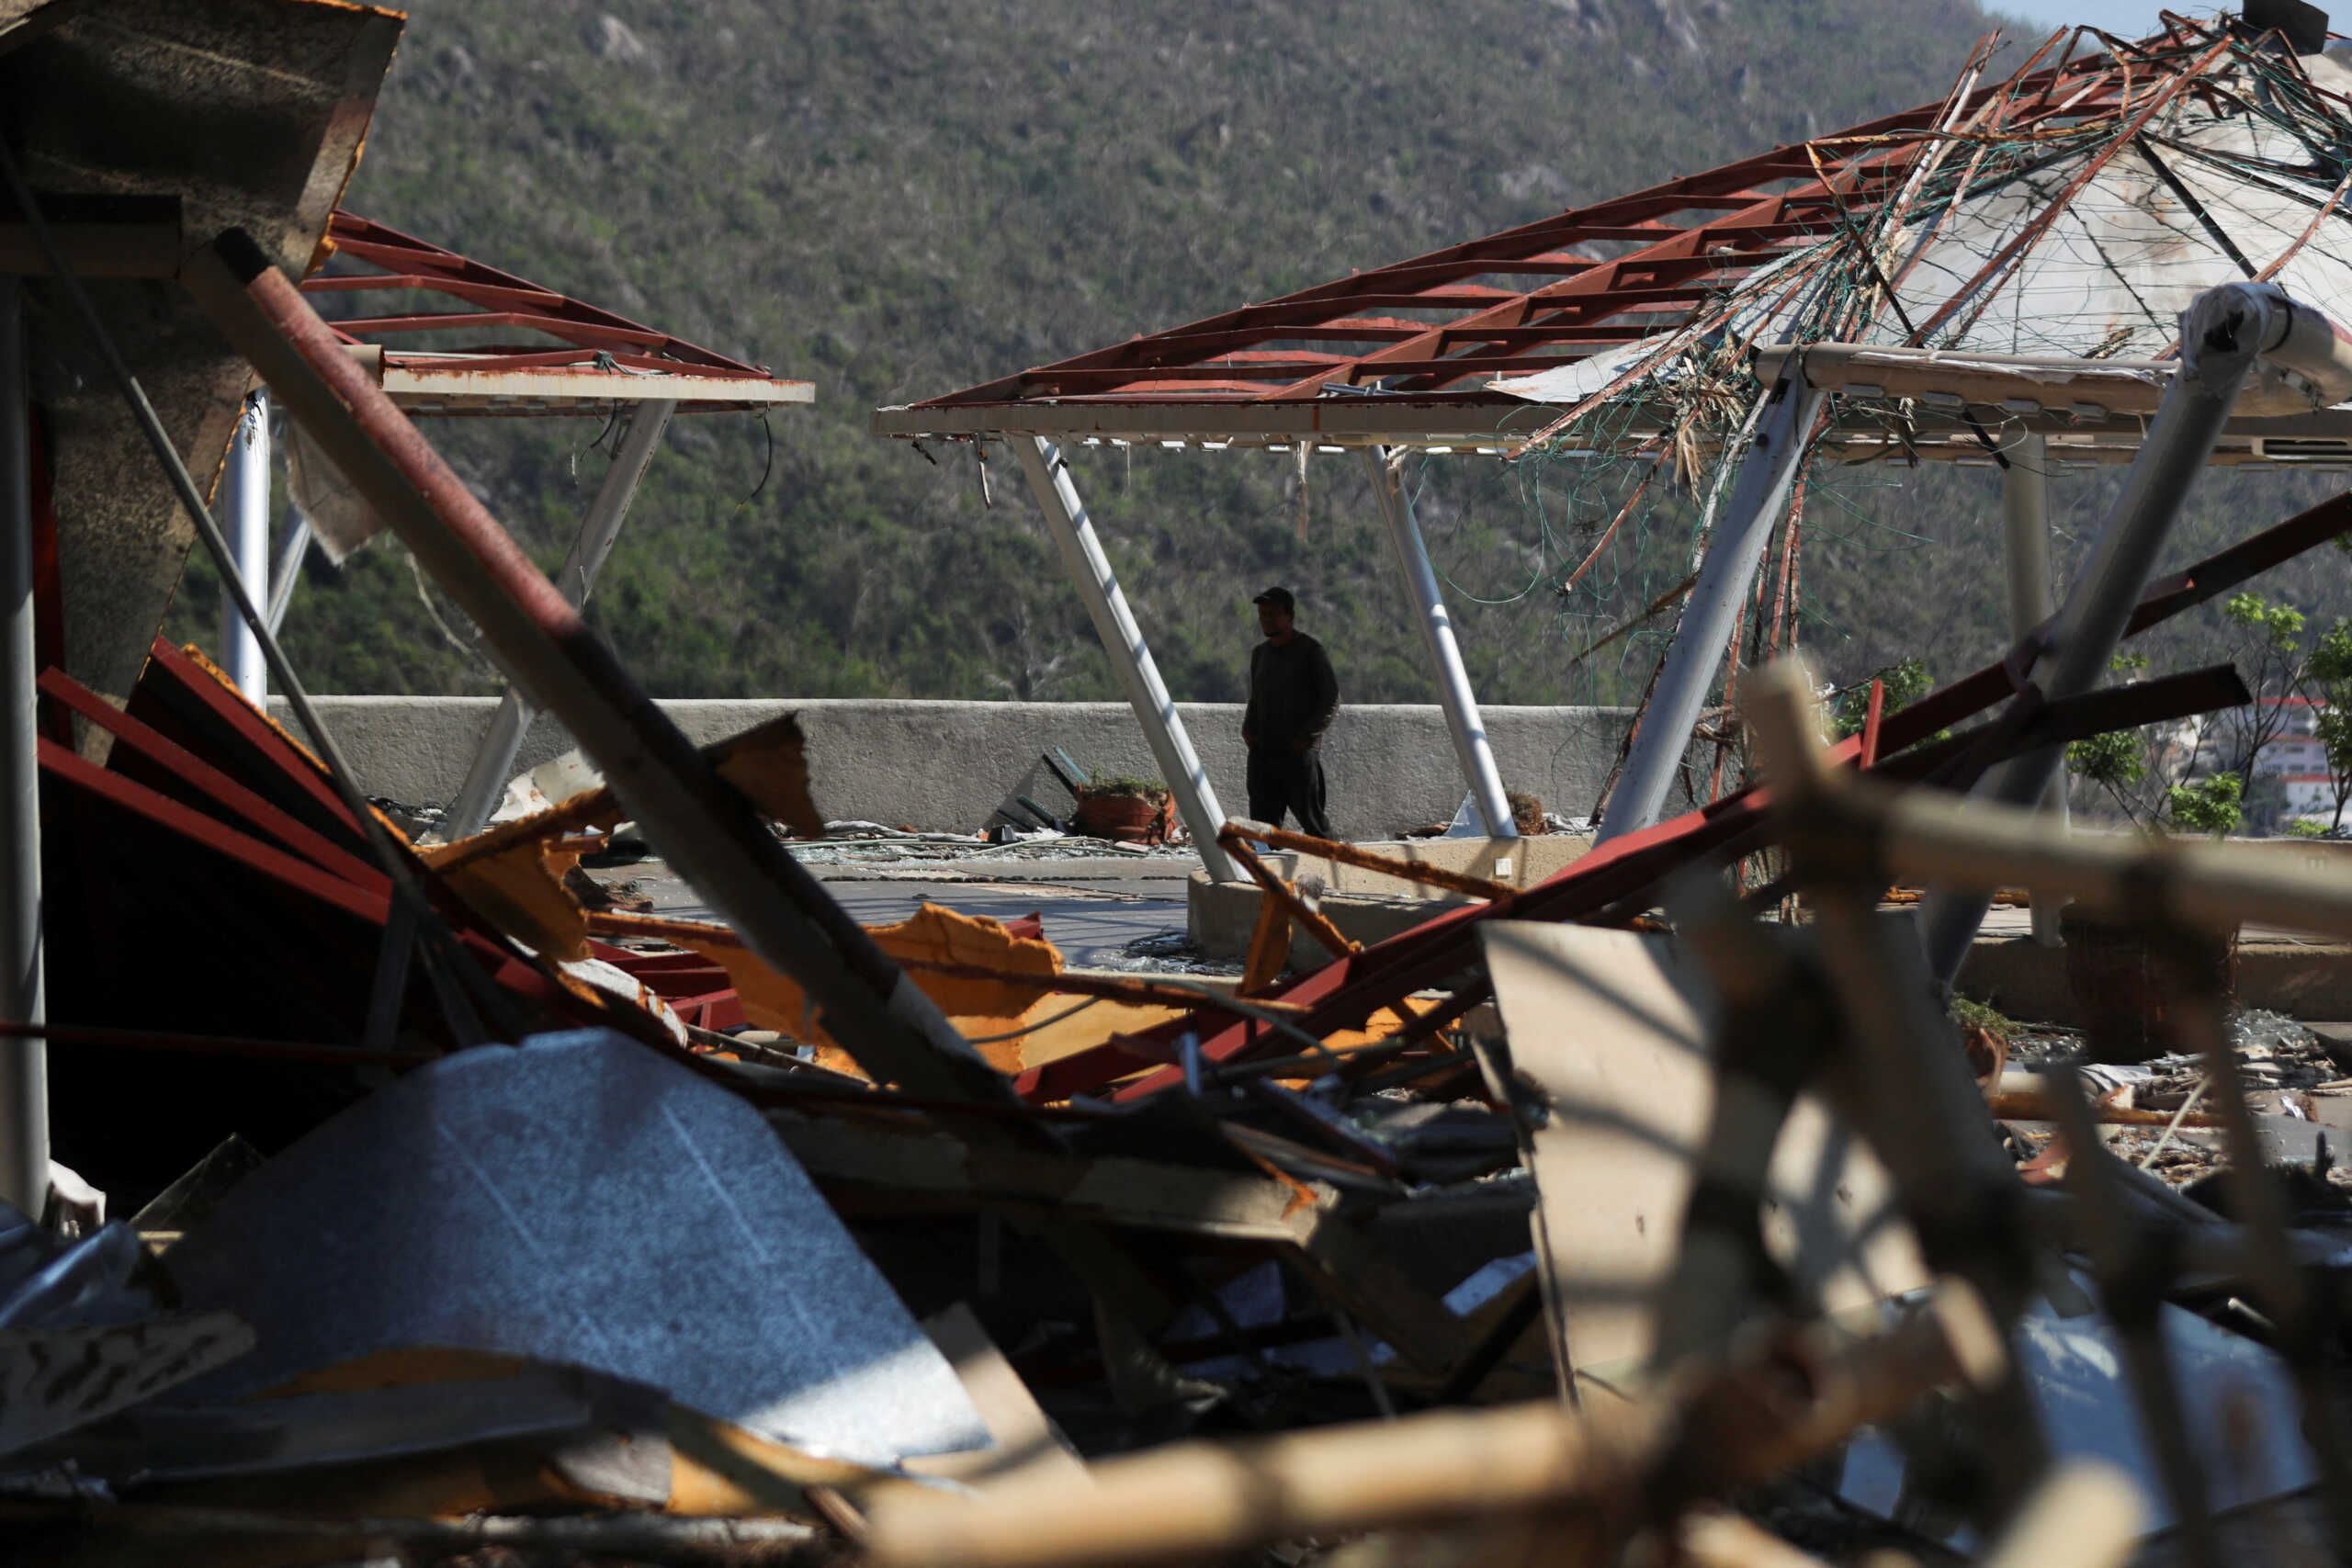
point(1664, 1208)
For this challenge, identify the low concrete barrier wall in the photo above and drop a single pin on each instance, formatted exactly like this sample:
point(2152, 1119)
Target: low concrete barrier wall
point(945, 766)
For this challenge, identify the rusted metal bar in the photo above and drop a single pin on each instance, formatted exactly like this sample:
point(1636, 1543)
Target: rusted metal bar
point(1371, 860)
point(1269, 952)
point(712, 836)
point(1110, 987)
point(1318, 925)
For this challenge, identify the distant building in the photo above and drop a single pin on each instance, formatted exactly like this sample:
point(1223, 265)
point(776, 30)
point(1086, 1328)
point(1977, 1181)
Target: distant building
point(2290, 776)
point(2293, 749)
point(2312, 796)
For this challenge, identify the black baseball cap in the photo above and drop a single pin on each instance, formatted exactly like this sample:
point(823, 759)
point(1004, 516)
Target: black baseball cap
point(1279, 598)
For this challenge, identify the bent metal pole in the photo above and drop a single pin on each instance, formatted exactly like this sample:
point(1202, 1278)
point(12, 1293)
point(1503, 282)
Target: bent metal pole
point(23, 1062)
point(2025, 532)
point(702, 825)
point(2223, 334)
point(1163, 728)
point(1709, 615)
point(1462, 721)
point(494, 759)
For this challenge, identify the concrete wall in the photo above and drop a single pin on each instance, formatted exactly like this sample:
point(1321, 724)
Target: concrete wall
point(945, 766)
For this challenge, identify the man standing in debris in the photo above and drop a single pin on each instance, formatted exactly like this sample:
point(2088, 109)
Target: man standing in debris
point(1293, 696)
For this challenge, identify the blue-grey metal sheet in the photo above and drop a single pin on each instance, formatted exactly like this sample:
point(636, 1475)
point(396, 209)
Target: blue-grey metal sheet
point(578, 1199)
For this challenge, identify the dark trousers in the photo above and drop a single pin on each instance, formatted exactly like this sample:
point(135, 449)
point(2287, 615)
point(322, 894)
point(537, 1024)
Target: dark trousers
point(1283, 780)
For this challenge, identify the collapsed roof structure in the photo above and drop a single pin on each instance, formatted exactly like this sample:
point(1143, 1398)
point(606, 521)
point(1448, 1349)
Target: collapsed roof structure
point(537, 1262)
point(1998, 274)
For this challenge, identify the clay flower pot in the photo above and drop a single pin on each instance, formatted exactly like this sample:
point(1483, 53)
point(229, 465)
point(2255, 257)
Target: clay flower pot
point(1124, 817)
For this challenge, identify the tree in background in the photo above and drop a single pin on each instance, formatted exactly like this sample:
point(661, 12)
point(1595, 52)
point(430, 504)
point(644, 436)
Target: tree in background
point(2122, 764)
point(2211, 805)
point(1907, 681)
point(2265, 643)
point(2329, 671)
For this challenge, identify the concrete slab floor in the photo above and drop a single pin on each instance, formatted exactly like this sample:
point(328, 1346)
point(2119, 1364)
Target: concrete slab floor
point(1092, 907)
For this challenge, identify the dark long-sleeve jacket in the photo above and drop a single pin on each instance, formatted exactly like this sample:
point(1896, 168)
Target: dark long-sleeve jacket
point(1293, 694)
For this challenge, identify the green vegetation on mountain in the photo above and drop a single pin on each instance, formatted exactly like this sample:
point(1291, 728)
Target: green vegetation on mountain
point(894, 199)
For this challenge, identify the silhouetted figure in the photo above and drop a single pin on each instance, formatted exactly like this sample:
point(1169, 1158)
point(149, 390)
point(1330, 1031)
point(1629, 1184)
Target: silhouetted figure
point(1293, 696)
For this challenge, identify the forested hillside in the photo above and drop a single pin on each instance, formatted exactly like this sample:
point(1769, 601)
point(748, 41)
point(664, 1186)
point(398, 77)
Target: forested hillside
point(894, 200)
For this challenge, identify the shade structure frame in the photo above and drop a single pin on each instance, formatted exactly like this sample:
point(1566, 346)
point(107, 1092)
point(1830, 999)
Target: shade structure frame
point(1123, 640)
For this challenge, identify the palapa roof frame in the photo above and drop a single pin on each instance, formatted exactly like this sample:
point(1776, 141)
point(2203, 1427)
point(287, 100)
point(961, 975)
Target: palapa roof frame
point(1477, 346)
point(589, 360)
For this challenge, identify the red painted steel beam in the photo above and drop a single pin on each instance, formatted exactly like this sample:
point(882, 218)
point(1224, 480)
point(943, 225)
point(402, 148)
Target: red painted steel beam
point(1691, 245)
point(708, 830)
point(292, 871)
point(222, 705)
point(406, 255)
point(1732, 187)
point(490, 294)
point(586, 335)
point(215, 786)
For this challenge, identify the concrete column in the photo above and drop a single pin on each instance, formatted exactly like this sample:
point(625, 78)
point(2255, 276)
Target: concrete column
point(23, 1063)
point(1710, 613)
point(1462, 720)
point(247, 509)
point(1090, 572)
point(2025, 523)
point(494, 759)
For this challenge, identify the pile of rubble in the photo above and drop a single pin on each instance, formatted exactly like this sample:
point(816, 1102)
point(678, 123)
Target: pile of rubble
point(1145, 1267)
point(1655, 1211)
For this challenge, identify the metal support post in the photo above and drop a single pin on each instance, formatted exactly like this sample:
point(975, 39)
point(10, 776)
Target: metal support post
point(289, 570)
point(2222, 333)
point(1462, 721)
point(1711, 611)
point(704, 827)
point(23, 1063)
point(2025, 521)
point(494, 759)
point(247, 482)
point(1089, 571)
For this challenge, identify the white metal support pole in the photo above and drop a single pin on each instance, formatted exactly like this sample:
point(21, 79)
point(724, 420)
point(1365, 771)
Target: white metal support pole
point(2222, 333)
point(1711, 611)
point(1462, 720)
point(2025, 523)
point(494, 759)
point(288, 570)
point(1089, 571)
point(23, 1063)
point(247, 482)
